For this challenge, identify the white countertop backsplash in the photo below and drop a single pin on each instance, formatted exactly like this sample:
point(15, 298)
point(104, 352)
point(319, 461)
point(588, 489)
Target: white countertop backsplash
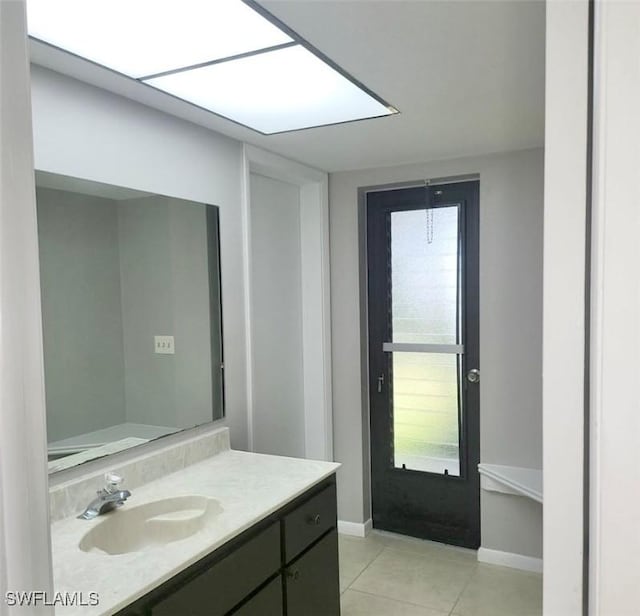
point(71, 497)
point(248, 486)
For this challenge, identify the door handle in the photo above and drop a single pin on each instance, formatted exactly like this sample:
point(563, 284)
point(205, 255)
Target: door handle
point(380, 383)
point(473, 376)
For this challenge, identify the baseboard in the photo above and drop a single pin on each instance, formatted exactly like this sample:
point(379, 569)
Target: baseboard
point(509, 559)
point(355, 529)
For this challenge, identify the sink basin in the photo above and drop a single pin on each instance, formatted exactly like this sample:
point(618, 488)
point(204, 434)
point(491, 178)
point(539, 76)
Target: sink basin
point(149, 526)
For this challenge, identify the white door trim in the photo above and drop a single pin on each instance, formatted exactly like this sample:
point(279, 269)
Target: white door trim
point(563, 363)
point(614, 554)
point(316, 310)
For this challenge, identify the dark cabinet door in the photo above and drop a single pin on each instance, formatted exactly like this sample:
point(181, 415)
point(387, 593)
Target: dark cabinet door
point(268, 602)
point(225, 584)
point(312, 581)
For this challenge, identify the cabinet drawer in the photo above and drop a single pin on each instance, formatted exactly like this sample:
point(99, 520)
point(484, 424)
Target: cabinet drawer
point(312, 582)
point(309, 522)
point(268, 602)
point(216, 591)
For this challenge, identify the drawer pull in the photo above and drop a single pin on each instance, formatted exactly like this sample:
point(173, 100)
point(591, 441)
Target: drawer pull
point(293, 574)
point(314, 520)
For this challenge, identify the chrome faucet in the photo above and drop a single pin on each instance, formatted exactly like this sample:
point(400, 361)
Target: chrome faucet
point(110, 497)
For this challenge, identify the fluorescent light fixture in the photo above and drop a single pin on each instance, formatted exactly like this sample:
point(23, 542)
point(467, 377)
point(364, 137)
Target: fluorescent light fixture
point(275, 91)
point(226, 56)
point(145, 37)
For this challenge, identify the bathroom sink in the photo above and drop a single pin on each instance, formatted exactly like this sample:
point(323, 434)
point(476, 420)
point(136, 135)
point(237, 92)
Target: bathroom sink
point(152, 525)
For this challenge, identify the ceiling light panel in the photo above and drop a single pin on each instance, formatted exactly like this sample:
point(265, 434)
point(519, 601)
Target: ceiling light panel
point(273, 92)
point(145, 37)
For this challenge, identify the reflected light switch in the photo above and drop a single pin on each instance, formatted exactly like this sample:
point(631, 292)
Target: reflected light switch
point(164, 345)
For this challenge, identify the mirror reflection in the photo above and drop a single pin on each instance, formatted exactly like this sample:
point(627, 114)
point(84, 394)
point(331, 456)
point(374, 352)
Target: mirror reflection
point(131, 316)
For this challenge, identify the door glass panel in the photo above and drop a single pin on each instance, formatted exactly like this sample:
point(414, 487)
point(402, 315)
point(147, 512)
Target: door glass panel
point(425, 288)
point(424, 275)
point(425, 412)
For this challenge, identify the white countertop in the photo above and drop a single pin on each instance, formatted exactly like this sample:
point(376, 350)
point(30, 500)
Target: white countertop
point(248, 486)
point(512, 480)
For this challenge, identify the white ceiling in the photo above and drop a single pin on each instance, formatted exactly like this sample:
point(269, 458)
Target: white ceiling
point(467, 77)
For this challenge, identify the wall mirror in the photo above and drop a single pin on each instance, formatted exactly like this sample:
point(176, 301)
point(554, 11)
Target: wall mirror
point(131, 311)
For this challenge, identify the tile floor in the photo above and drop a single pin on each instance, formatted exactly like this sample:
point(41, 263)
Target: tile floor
point(391, 575)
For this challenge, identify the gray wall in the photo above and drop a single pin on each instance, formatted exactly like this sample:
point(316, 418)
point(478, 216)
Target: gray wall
point(511, 221)
point(114, 274)
point(276, 318)
point(165, 291)
point(82, 320)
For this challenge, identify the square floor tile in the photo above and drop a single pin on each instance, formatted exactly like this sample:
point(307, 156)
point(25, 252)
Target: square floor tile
point(411, 577)
point(499, 591)
point(355, 603)
point(355, 555)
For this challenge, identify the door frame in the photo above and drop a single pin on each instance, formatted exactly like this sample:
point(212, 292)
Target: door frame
point(363, 191)
point(316, 293)
point(615, 301)
point(567, 238)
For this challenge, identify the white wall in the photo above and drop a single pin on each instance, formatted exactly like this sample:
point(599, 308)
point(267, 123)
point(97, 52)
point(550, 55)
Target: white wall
point(615, 355)
point(85, 132)
point(511, 214)
point(25, 549)
point(276, 324)
point(564, 304)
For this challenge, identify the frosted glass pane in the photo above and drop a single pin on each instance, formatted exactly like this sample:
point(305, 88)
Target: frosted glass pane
point(275, 91)
point(144, 37)
point(425, 412)
point(425, 275)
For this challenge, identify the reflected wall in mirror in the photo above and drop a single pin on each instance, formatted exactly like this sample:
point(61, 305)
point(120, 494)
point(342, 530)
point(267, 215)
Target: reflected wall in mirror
point(131, 314)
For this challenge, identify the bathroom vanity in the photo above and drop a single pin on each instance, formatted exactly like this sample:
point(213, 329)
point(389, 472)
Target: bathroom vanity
point(207, 531)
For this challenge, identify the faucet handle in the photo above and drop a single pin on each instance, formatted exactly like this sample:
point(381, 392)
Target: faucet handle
point(113, 481)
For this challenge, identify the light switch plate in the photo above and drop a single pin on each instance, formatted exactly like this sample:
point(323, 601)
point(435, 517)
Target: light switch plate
point(164, 345)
